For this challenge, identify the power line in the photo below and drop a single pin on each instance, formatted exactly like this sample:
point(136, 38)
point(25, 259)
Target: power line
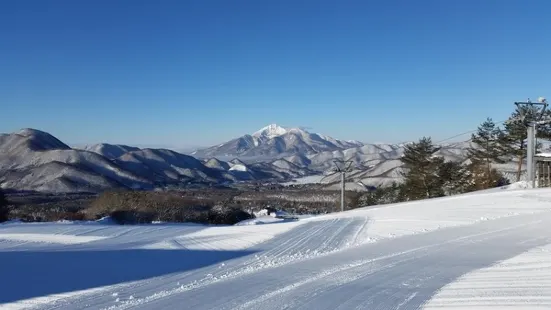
point(465, 133)
point(349, 162)
point(437, 142)
point(459, 135)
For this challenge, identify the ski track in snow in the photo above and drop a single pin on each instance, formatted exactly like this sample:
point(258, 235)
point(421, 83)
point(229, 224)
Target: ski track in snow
point(47, 238)
point(389, 257)
point(523, 281)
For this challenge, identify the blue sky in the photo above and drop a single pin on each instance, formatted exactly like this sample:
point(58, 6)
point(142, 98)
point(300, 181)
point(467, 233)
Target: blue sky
point(186, 73)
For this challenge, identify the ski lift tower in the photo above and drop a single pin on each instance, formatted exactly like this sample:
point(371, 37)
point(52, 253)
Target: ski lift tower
point(342, 166)
point(531, 125)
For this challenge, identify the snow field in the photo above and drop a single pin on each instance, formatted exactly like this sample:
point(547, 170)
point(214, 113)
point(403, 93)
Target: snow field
point(49, 238)
point(388, 251)
point(402, 272)
point(225, 237)
point(395, 220)
point(522, 282)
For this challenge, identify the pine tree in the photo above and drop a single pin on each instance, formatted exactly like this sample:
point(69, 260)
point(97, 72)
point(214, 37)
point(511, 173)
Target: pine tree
point(489, 140)
point(454, 178)
point(489, 148)
point(544, 130)
point(515, 133)
point(383, 195)
point(3, 207)
point(420, 170)
point(482, 180)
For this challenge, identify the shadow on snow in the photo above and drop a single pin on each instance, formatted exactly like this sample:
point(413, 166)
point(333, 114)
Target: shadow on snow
point(28, 274)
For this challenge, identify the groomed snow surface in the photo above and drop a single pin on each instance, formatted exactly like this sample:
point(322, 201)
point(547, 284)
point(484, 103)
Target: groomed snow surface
point(488, 250)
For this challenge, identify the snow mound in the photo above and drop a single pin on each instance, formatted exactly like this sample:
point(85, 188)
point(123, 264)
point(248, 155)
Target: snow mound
point(518, 185)
point(49, 238)
point(266, 212)
point(260, 221)
point(223, 238)
point(106, 220)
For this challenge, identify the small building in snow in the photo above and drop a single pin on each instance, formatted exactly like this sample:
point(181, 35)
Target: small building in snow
point(543, 169)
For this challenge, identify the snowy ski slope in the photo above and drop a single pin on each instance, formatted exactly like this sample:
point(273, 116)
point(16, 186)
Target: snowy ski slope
point(471, 251)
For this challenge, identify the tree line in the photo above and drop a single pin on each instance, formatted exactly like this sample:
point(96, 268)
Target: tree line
point(3, 207)
point(427, 175)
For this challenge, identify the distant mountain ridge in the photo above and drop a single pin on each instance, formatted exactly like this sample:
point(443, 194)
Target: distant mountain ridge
point(274, 141)
point(33, 160)
point(110, 151)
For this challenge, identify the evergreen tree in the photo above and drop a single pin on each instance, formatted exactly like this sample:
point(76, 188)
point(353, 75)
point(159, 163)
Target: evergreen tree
point(489, 147)
point(515, 133)
point(482, 180)
point(3, 207)
point(393, 193)
point(544, 130)
point(454, 178)
point(420, 170)
point(382, 195)
point(489, 140)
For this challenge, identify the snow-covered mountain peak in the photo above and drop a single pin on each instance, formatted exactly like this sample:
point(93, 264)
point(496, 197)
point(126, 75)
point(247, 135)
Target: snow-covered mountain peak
point(271, 131)
point(31, 132)
point(34, 139)
point(297, 130)
point(110, 151)
point(238, 167)
point(274, 141)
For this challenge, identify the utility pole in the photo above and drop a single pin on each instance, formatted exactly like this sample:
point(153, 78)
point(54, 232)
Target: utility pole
point(343, 189)
point(531, 147)
point(343, 166)
point(531, 131)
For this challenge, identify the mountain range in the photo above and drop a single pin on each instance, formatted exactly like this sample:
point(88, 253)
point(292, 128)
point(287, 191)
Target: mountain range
point(33, 160)
point(274, 141)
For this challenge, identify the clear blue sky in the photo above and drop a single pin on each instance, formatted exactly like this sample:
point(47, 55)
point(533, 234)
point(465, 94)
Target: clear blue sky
point(186, 73)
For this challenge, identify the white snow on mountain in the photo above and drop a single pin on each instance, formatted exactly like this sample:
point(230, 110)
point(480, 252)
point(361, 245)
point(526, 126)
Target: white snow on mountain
point(273, 142)
point(217, 164)
point(32, 160)
point(110, 151)
point(239, 167)
point(270, 131)
point(376, 164)
point(380, 165)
